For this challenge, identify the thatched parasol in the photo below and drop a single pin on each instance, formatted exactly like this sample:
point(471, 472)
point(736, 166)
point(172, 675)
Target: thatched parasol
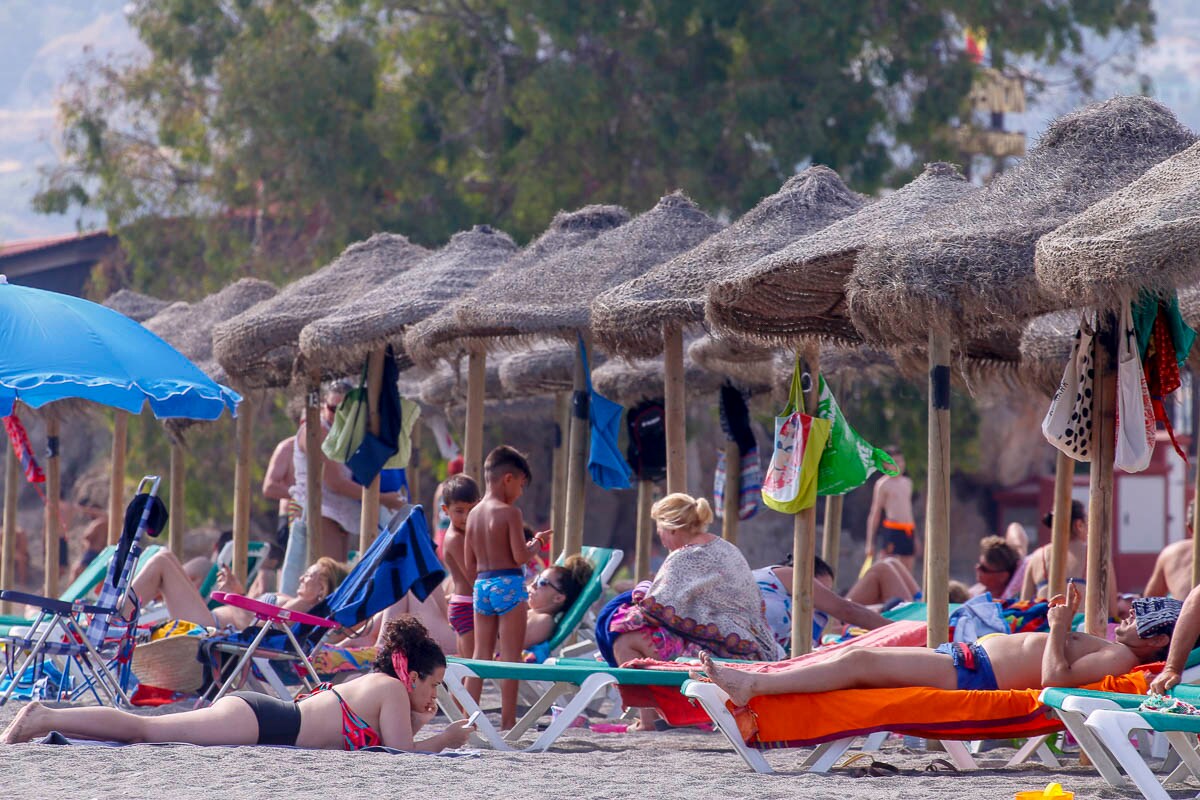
point(342, 340)
point(799, 291)
point(744, 363)
point(446, 386)
point(259, 347)
point(438, 336)
point(970, 266)
point(1146, 236)
point(631, 381)
point(629, 318)
point(553, 297)
point(138, 307)
point(544, 368)
point(1046, 346)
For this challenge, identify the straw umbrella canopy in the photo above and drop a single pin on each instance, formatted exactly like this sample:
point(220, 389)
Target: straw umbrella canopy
point(742, 362)
point(138, 307)
point(630, 381)
point(259, 346)
point(629, 318)
point(1046, 344)
point(1143, 237)
point(446, 387)
point(970, 265)
point(440, 336)
point(188, 327)
point(343, 339)
point(799, 291)
point(969, 268)
point(545, 368)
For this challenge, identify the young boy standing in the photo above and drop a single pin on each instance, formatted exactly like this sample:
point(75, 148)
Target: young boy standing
point(460, 494)
point(495, 552)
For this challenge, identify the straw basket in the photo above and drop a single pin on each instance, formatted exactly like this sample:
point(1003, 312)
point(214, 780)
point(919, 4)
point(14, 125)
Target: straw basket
point(170, 663)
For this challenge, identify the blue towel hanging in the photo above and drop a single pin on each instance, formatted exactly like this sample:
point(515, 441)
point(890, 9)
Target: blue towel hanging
point(606, 465)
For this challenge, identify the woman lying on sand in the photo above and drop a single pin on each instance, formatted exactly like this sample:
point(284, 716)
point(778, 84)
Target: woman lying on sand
point(385, 707)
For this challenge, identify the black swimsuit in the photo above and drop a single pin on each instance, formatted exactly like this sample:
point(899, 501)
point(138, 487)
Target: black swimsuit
point(278, 720)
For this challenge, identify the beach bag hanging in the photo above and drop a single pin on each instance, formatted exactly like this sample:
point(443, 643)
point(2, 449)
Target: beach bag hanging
point(749, 488)
point(646, 426)
point(848, 459)
point(1068, 423)
point(605, 463)
point(1135, 411)
point(790, 483)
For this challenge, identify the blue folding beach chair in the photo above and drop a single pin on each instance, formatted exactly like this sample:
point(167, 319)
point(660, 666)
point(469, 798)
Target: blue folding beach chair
point(401, 559)
point(96, 638)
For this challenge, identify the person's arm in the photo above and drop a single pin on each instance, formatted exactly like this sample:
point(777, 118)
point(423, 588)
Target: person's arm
point(470, 560)
point(835, 605)
point(395, 721)
point(279, 477)
point(1058, 668)
point(875, 514)
point(1114, 598)
point(1029, 585)
point(392, 500)
point(337, 481)
point(538, 628)
point(1187, 631)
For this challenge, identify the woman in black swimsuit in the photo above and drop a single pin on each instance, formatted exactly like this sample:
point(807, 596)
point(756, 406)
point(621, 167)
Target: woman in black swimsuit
point(385, 707)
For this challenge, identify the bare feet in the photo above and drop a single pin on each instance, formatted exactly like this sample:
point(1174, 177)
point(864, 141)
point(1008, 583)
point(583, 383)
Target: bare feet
point(24, 726)
point(737, 684)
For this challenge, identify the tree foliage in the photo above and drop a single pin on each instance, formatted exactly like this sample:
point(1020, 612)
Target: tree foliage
point(267, 134)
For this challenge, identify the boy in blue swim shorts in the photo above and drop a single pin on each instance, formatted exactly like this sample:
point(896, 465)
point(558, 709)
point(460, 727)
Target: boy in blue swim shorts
point(495, 551)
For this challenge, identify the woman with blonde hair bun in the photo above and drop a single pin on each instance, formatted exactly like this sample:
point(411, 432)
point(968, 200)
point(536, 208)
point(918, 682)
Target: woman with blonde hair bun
point(704, 597)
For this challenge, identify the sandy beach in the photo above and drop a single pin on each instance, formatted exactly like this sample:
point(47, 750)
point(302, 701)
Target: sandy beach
point(685, 763)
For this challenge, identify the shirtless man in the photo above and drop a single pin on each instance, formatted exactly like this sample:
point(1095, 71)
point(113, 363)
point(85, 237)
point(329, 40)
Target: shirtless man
point(1037, 571)
point(495, 551)
point(277, 485)
point(1017, 661)
point(891, 508)
point(1173, 568)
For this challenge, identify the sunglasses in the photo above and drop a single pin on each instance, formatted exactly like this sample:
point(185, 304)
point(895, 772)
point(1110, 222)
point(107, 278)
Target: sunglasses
point(984, 568)
point(540, 582)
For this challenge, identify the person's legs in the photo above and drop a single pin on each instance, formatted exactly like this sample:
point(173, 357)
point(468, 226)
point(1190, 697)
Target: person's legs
point(512, 641)
point(859, 668)
point(295, 558)
point(228, 721)
point(334, 540)
point(163, 575)
point(627, 647)
point(487, 627)
point(885, 580)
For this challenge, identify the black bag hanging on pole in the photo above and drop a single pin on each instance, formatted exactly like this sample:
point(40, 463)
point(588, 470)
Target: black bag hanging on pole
point(646, 424)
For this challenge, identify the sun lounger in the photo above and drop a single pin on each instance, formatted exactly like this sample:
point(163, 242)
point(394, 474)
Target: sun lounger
point(1112, 727)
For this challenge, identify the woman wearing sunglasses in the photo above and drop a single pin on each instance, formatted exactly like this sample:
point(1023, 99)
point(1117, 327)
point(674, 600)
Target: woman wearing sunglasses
point(552, 592)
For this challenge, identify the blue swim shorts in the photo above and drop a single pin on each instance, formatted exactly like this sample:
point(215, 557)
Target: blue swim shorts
point(972, 665)
point(498, 591)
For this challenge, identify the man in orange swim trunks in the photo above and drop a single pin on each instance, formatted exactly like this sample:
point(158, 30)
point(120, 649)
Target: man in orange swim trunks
point(891, 529)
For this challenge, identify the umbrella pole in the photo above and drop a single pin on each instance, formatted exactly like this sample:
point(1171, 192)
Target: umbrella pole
point(412, 472)
point(645, 530)
point(241, 489)
point(558, 479)
point(315, 464)
point(176, 511)
point(368, 520)
point(12, 477)
point(1191, 521)
point(1060, 530)
point(1099, 545)
point(116, 492)
point(473, 439)
point(804, 534)
point(831, 544)
point(52, 532)
point(937, 503)
point(577, 453)
point(674, 402)
point(733, 487)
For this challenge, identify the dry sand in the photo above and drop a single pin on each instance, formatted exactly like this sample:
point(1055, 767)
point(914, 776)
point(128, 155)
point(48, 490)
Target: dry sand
point(676, 765)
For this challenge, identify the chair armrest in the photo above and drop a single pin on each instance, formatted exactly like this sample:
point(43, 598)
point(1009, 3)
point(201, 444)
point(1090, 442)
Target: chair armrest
point(270, 612)
point(53, 605)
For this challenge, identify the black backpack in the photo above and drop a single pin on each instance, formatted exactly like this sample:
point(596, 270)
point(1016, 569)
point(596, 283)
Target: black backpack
point(646, 424)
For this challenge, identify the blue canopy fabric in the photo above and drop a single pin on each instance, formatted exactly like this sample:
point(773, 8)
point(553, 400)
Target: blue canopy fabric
point(58, 347)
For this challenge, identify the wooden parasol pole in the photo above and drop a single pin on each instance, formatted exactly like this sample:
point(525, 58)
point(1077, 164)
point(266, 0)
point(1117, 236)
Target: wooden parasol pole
point(937, 504)
point(832, 542)
point(1060, 529)
point(412, 472)
point(558, 476)
point(368, 520)
point(244, 427)
point(675, 412)
point(645, 530)
point(1099, 545)
point(52, 531)
point(733, 487)
point(12, 478)
point(315, 466)
point(1195, 495)
point(175, 512)
point(577, 455)
point(473, 438)
point(804, 531)
point(116, 492)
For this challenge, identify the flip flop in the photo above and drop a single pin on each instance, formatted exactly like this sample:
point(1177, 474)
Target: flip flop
point(940, 765)
point(872, 769)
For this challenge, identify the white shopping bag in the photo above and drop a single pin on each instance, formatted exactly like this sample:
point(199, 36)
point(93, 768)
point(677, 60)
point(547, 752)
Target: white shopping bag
point(1135, 412)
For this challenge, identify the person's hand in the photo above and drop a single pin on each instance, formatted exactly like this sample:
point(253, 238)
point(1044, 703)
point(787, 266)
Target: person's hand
point(539, 539)
point(1165, 681)
point(456, 733)
point(228, 582)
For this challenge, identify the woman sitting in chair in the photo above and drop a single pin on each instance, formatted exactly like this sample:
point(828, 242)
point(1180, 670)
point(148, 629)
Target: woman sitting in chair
point(163, 576)
point(386, 707)
point(551, 594)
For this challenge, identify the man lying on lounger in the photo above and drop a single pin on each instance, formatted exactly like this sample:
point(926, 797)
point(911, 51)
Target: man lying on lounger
point(1017, 661)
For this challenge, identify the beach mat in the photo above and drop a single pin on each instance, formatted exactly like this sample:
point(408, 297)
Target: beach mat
point(54, 737)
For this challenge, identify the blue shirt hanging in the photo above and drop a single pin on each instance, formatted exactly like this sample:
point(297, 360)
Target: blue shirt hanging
point(606, 465)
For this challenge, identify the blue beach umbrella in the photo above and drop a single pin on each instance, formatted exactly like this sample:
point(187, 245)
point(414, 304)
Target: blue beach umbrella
point(58, 347)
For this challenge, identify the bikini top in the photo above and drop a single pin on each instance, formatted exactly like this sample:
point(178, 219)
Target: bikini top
point(356, 733)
